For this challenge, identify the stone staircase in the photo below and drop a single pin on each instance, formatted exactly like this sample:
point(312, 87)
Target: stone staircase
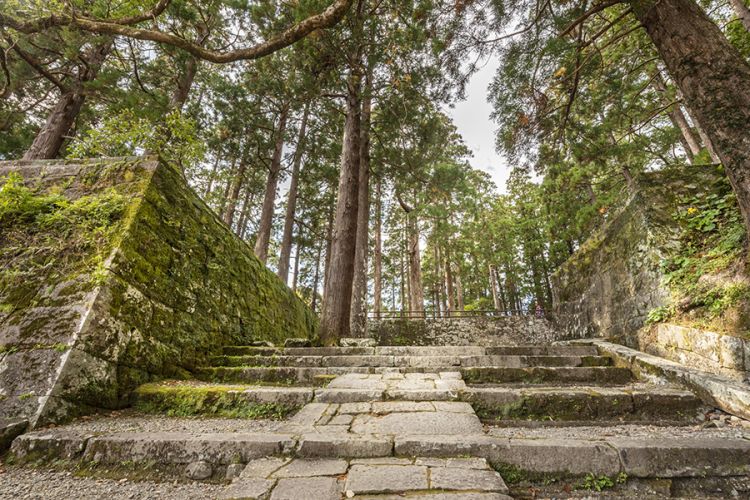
point(453, 422)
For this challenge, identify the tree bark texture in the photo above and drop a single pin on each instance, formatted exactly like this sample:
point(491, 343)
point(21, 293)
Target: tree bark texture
point(334, 320)
point(234, 194)
point(713, 77)
point(266, 215)
point(742, 11)
point(378, 253)
point(50, 138)
point(291, 203)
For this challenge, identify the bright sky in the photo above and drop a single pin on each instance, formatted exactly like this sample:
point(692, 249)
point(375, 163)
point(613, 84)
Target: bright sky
point(472, 117)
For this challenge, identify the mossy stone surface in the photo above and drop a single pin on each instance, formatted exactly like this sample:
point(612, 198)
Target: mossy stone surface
point(91, 307)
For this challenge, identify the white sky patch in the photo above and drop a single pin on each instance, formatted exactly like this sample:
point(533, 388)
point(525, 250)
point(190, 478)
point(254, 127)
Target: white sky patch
point(472, 118)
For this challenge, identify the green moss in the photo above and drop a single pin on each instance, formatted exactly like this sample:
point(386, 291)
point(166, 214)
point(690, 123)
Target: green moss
point(216, 401)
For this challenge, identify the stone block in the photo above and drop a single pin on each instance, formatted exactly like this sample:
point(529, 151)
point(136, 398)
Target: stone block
point(418, 423)
point(364, 479)
point(449, 478)
point(683, 457)
point(382, 407)
point(9, 430)
point(262, 468)
point(354, 408)
point(457, 463)
point(477, 445)
point(335, 395)
point(52, 444)
point(319, 488)
point(567, 456)
point(345, 446)
point(310, 468)
point(247, 489)
point(357, 342)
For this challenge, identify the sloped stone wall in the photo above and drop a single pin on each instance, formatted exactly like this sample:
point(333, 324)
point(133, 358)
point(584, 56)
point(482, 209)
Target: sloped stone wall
point(608, 287)
point(151, 295)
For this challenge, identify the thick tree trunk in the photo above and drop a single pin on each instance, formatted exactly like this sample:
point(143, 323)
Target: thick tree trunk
point(334, 320)
point(742, 11)
point(242, 223)
point(358, 321)
point(227, 188)
point(378, 257)
point(329, 241)
point(51, 136)
point(495, 285)
point(291, 203)
point(266, 215)
point(416, 291)
point(713, 77)
point(704, 137)
point(234, 194)
point(211, 177)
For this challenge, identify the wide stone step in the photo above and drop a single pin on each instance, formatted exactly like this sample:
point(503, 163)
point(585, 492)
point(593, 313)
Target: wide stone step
point(600, 375)
point(193, 398)
point(435, 362)
point(537, 350)
point(549, 405)
point(650, 457)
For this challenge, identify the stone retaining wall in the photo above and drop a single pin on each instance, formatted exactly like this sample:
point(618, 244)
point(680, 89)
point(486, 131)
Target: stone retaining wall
point(612, 282)
point(481, 330)
point(708, 351)
point(89, 313)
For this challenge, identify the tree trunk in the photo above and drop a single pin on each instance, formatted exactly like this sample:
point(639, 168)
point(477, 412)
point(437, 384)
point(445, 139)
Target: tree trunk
point(378, 257)
point(704, 137)
point(329, 242)
point(316, 278)
point(459, 291)
point(494, 285)
point(677, 117)
point(50, 138)
point(211, 177)
point(242, 223)
point(334, 320)
point(295, 276)
point(416, 292)
point(291, 204)
point(359, 286)
point(713, 77)
point(234, 194)
point(266, 215)
point(227, 189)
point(449, 284)
point(742, 11)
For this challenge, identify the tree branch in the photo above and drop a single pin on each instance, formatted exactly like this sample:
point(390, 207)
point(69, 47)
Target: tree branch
point(593, 10)
point(329, 17)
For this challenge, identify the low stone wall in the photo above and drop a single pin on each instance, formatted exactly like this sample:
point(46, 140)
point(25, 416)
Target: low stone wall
point(609, 286)
point(708, 351)
point(114, 273)
point(482, 330)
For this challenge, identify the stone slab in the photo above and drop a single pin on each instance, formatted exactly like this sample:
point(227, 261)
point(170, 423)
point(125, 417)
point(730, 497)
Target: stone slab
point(263, 467)
point(319, 488)
point(9, 430)
point(457, 463)
point(417, 423)
point(559, 456)
point(333, 445)
point(449, 478)
point(247, 489)
point(56, 444)
point(179, 447)
point(311, 468)
point(385, 479)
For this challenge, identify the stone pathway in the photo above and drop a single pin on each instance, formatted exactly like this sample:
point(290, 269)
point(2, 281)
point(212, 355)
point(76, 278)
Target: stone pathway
point(381, 478)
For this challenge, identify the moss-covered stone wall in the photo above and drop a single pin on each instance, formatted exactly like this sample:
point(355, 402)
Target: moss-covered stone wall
point(609, 286)
point(115, 273)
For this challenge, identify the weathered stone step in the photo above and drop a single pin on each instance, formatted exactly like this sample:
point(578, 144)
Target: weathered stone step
point(650, 457)
point(601, 375)
point(435, 362)
point(531, 350)
point(193, 398)
point(545, 405)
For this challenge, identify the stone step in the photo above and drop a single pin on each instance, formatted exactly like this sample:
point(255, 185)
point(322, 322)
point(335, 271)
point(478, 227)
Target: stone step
point(194, 398)
point(643, 457)
point(320, 376)
point(543, 350)
point(532, 350)
point(600, 375)
point(435, 362)
point(549, 405)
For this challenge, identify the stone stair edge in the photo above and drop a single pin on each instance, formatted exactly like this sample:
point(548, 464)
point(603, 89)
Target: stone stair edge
point(637, 457)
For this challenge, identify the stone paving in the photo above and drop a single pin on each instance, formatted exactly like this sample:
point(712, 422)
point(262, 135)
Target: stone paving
point(388, 477)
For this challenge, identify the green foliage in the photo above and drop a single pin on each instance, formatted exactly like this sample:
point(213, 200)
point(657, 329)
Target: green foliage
point(126, 134)
point(659, 314)
point(712, 243)
point(601, 482)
